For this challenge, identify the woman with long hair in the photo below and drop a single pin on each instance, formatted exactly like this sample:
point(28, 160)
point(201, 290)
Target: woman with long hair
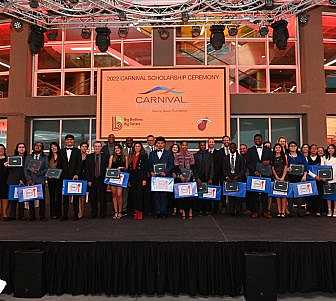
point(279, 171)
point(120, 161)
point(3, 183)
point(16, 176)
point(55, 185)
point(138, 168)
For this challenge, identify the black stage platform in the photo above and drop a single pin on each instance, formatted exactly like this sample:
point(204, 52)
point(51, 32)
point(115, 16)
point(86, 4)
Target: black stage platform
point(204, 256)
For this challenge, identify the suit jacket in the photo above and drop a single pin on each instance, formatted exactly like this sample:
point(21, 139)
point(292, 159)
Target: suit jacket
point(204, 166)
point(105, 150)
point(127, 151)
point(73, 166)
point(39, 176)
point(239, 170)
point(166, 158)
point(91, 167)
point(16, 174)
point(253, 158)
point(148, 149)
point(140, 173)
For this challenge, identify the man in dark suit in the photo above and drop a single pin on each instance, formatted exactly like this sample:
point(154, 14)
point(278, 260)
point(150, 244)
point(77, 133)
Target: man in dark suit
point(257, 155)
point(216, 172)
point(161, 156)
point(71, 160)
point(96, 164)
point(128, 146)
point(150, 144)
point(234, 170)
point(36, 166)
point(108, 148)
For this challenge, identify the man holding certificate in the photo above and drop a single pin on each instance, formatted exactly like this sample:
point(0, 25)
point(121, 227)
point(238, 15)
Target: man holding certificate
point(161, 163)
point(36, 166)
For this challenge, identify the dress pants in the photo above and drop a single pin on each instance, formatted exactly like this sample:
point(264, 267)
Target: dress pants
point(55, 197)
point(75, 205)
point(160, 202)
point(12, 211)
point(41, 209)
point(258, 202)
point(234, 205)
point(97, 196)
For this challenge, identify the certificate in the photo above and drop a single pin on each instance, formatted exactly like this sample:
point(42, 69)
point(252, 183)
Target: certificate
point(113, 173)
point(29, 193)
point(74, 187)
point(53, 173)
point(304, 188)
point(122, 181)
point(159, 168)
point(280, 186)
point(203, 188)
point(34, 165)
point(231, 186)
point(329, 188)
point(185, 190)
point(258, 184)
point(214, 193)
point(325, 173)
point(15, 161)
point(185, 173)
point(162, 184)
point(296, 169)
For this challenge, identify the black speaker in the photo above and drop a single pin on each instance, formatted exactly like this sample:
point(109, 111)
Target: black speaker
point(28, 274)
point(260, 282)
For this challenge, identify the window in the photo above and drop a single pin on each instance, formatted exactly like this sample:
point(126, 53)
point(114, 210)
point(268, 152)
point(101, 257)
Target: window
point(331, 129)
point(4, 58)
point(54, 130)
point(254, 60)
point(243, 128)
point(3, 131)
point(329, 43)
point(68, 64)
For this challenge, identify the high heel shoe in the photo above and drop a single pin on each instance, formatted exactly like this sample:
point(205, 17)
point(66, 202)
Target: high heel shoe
point(119, 216)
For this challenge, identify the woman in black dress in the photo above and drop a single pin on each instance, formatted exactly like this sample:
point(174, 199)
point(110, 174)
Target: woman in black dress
point(3, 183)
point(16, 176)
point(138, 167)
point(120, 161)
point(55, 185)
point(279, 170)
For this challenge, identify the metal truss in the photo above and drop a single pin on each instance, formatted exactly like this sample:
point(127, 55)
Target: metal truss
point(52, 14)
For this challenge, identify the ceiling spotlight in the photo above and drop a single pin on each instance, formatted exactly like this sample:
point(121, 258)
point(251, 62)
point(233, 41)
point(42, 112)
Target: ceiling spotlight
point(303, 18)
point(122, 16)
point(52, 35)
point(86, 33)
point(268, 4)
point(233, 30)
point(263, 31)
point(33, 3)
point(17, 25)
point(103, 38)
point(36, 39)
point(196, 31)
point(280, 34)
point(185, 17)
point(217, 38)
point(164, 33)
point(122, 32)
point(332, 2)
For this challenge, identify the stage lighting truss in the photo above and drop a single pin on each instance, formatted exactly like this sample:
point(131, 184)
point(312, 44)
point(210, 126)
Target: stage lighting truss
point(54, 14)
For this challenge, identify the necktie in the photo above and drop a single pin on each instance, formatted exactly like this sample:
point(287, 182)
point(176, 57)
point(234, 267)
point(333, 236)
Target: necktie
point(97, 166)
point(232, 164)
point(35, 157)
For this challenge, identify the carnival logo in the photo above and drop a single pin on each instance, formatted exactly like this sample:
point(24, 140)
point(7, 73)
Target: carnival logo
point(117, 123)
point(162, 89)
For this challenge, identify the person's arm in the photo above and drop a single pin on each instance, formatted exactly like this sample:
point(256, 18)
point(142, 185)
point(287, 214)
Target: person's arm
point(305, 163)
point(110, 161)
point(285, 171)
point(126, 162)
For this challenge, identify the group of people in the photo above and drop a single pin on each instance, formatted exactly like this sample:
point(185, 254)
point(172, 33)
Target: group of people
point(208, 165)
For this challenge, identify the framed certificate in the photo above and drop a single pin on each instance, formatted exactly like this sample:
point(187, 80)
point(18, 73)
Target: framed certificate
point(53, 173)
point(29, 193)
point(280, 186)
point(162, 184)
point(158, 168)
point(185, 190)
point(112, 173)
point(296, 169)
point(240, 193)
point(259, 184)
point(329, 188)
point(74, 187)
point(203, 188)
point(308, 188)
point(15, 161)
point(34, 165)
point(325, 173)
point(185, 173)
point(122, 181)
point(214, 193)
point(231, 186)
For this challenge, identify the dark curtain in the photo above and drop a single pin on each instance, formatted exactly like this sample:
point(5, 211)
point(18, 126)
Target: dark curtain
point(193, 268)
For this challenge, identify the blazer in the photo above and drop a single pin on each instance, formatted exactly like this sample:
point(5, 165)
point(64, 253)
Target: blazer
point(204, 166)
point(239, 170)
point(73, 166)
point(148, 150)
point(166, 158)
point(105, 150)
point(16, 174)
point(140, 173)
point(39, 177)
point(90, 165)
point(253, 158)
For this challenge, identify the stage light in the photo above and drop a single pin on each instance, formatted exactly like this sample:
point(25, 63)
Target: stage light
point(103, 38)
point(195, 31)
point(303, 18)
point(122, 32)
point(185, 17)
point(86, 33)
point(233, 30)
point(36, 39)
point(17, 25)
point(33, 3)
point(263, 31)
point(280, 34)
point(332, 2)
point(122, 16)
point(268, 4)
point(52, 35)
point(164, 33)
point(217, 38)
